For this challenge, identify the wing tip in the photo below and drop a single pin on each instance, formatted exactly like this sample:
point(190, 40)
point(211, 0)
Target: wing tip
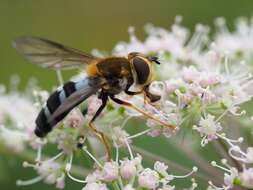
point(19, 41)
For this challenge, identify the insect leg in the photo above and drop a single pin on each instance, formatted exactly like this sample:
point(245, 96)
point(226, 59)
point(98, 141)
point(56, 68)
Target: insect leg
point(101, 135)
point(130, 92)
point(150, 96)
point(128, 104)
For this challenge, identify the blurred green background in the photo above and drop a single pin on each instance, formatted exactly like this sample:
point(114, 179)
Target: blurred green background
point(86, 25)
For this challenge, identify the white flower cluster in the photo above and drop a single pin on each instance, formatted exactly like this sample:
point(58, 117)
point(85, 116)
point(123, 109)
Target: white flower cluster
point(131, 175)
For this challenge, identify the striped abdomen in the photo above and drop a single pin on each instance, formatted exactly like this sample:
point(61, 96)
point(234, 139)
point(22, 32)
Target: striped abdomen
point(62, 101)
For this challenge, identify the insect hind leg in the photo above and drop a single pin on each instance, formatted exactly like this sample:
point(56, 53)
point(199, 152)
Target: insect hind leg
point(104, 97)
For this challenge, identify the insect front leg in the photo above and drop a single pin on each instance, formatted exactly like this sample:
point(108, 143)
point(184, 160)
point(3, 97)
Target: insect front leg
point(130, 92)
point(151, 97)
point(104, 98)
point(128, 104)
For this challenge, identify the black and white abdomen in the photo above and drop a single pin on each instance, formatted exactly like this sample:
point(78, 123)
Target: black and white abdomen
point(62, 101)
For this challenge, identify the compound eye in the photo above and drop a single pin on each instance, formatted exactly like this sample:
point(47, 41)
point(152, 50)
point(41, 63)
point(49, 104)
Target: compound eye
point(142, 69)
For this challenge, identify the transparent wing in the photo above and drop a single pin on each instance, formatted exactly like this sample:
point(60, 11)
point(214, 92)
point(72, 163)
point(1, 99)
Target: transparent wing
point(49, 54)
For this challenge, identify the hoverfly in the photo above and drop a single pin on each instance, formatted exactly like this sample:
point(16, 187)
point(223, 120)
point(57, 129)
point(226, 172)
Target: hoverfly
point(107, 77)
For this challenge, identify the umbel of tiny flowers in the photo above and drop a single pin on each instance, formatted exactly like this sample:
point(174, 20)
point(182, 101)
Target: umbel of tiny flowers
point(233, 177)
point(130, 174)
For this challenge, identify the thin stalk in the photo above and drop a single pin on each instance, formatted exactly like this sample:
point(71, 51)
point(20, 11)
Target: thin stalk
point(201, 163)
point(170, 163)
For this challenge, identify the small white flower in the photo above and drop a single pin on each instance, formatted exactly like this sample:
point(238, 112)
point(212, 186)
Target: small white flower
point(208, 127)
point(172, 85)
point(148, 179)
point(249, 155)
point(51, 179)
point(60, 182)
point(66, 142)
point(13, 139)
point(190, 74)
point(93, 104)
point(246, 176)
point(128, 187)
point(74, 119)
point(209, 78)
point(51, 171)
point(128, 169)
point(161, 168)
point(47, 167)
point(137, 160)
point(94, 176)
point(110, 171)
point(95, 186)
point(156, 130)
point(120, 136)
point(229, 177)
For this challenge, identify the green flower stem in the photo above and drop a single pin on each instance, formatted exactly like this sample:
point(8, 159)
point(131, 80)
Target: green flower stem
point(116, 185)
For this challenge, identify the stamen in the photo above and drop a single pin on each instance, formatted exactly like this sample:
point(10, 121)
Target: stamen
point(68, 168)
point(139, 134)
point(196, 41)
point(221, 25)
point(242, 157)
point(55, 157)
point(217, 188)
point(125, 121)
point(194, 184)
point(213, 163)
point(204, 141)
point(29, 182)
point(222, 115)
point(129, 150)
point(38, 159)
point(92, 157)
point(224, 162)
point(226, 63)
point(117, 151)
point(75, 179)
point(194, 169)
point(26, 164)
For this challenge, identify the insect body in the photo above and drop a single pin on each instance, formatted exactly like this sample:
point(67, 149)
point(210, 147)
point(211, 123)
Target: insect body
point(105, 76)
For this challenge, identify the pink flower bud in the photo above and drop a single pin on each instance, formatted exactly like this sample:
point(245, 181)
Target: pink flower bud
point(95, 186)
point(93, 105)
point(148, 179)
point(51, 179)
point(60, 182)
point(110, 171)
point(190, 74)
point(129, 187)
point(127, 169)
point(247, 176)
point(74, 119)
point(172, 85)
